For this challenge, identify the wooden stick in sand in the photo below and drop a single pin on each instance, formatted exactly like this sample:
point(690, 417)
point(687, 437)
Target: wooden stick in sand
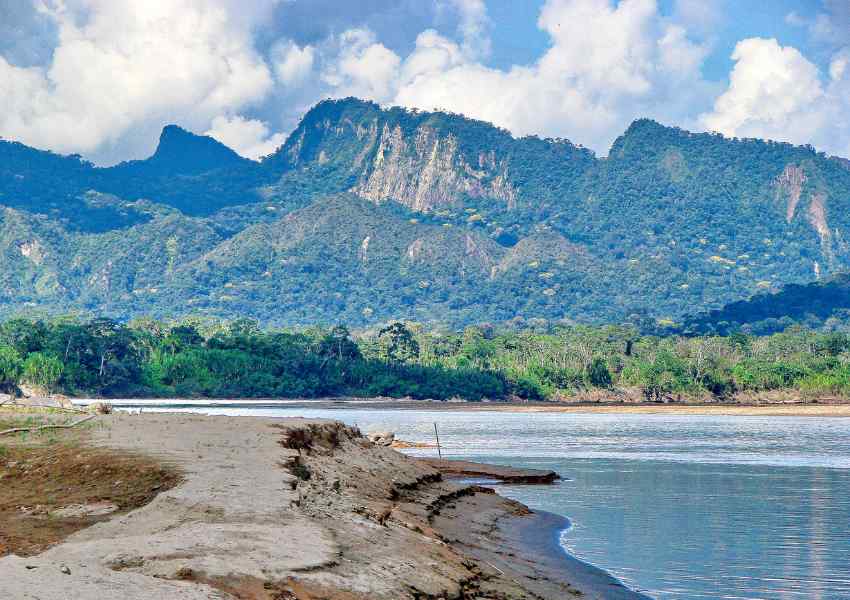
point(44, 427)
point(440, 452)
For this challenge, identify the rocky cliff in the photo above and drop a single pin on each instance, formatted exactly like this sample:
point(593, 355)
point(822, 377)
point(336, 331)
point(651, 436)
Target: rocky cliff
point(420, 160)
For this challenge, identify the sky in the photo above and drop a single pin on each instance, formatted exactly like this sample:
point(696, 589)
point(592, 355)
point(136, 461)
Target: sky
point(101, 78)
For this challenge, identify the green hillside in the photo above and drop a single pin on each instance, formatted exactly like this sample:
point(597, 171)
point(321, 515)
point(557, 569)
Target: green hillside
point(819, 305)
point(368, 214)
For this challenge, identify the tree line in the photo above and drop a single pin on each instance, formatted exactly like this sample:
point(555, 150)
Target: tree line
point(210, 358)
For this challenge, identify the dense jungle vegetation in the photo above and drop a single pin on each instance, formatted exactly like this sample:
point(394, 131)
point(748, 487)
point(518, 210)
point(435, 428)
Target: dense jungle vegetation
point(202, 357)
point(367, 215)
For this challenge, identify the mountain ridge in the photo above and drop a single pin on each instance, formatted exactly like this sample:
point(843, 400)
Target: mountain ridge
point(501, 226)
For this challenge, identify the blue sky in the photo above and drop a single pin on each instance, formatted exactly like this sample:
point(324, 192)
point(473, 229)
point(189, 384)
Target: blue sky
point(101, 77)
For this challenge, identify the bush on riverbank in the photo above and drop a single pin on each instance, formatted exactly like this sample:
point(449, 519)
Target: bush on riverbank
point(238, 359)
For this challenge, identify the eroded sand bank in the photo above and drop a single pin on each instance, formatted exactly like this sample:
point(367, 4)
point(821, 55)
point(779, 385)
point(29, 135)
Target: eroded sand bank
point(294, 509)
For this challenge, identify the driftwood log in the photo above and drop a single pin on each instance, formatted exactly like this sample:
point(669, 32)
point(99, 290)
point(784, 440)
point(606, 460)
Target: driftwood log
point(45, 427)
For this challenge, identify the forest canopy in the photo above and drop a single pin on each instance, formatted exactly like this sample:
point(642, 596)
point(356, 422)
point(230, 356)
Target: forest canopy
point(209, 358)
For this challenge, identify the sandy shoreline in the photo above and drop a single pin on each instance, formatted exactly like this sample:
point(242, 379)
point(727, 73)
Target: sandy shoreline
point(756, 410)
point(293, 509)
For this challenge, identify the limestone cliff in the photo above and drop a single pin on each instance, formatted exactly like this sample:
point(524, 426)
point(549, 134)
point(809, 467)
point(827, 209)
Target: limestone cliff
point(427, 171)
point(789, 185)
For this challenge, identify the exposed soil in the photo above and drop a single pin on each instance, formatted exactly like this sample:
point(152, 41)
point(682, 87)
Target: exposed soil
point(50, 490)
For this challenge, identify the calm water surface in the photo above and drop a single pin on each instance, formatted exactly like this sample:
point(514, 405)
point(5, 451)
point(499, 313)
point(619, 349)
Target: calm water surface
point(679, 507)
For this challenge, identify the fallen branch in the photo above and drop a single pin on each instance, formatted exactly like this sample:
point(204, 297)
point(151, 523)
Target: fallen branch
point(44, 427)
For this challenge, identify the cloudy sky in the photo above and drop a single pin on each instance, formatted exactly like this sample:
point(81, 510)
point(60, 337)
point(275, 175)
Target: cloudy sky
point(101, 77)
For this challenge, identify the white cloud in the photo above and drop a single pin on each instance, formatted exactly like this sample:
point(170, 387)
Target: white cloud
point(607, 65)
point(121, 69)
point(120, 65)
point(701, 15)
point(433, 54)
point(775, 92)
point(838, 66)
point(474, 26)
point(768, 84)
point(292, 63)
point(364, 67)
point(249, 137)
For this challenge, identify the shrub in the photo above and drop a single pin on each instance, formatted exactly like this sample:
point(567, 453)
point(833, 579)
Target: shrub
point(760, 375)
point(598, 374)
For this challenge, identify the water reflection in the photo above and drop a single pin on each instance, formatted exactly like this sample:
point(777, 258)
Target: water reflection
point(690, 530)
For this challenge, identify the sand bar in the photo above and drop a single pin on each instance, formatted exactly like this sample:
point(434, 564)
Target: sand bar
point(300, 510)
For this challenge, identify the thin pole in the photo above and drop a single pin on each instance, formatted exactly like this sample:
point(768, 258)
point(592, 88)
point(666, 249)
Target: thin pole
point(440, 452)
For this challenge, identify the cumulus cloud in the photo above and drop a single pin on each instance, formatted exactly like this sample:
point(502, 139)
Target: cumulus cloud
point(702, 16)
point(364, 67)
point(244, 70)
point(775, 92)
point(292, 63)
point(121, 64)
point(249, 137)
point(607, 65)
point(474, 26)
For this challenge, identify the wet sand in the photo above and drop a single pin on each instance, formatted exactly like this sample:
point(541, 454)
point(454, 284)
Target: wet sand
point(539, 536)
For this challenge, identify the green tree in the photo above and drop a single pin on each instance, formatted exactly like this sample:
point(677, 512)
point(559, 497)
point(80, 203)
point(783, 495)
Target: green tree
point(598, 374)
point(398, 344)
point(10, 368)
point(476, 348)
point(43, 370)
point(338, 345)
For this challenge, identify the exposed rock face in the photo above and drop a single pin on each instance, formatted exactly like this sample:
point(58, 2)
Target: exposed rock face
point(817, 217)
point(789, 185)
point(405, 158)
point(33, 251)
point(427, 171)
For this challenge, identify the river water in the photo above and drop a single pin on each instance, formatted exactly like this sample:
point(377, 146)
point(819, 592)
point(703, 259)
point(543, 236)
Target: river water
point(678, 507)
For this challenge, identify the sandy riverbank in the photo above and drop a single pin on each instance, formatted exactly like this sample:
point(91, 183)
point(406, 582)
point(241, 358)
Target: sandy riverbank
point(778, 409)
point(299, 510)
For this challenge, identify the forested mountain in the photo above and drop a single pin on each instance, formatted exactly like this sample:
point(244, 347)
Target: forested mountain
point(368, 214)
point(819, 305)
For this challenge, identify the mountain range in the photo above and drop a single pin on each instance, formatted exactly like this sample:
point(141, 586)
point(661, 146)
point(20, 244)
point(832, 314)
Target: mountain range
point(367, 214)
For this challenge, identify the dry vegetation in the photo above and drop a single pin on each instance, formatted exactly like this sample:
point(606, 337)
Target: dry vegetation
point(53, 484)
